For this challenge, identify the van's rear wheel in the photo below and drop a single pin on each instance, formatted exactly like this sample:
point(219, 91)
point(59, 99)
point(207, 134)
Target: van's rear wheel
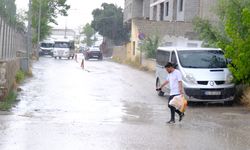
point(158, 84)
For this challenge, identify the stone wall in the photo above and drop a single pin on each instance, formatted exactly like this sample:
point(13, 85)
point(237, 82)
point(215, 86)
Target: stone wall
point(163, 28)
point(8, 70)
point(149, 63)
point(120, 53)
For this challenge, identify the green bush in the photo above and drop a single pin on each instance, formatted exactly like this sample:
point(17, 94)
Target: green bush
point(20, 76)
point(6, 104)
point(149, 46)
point(232, 34)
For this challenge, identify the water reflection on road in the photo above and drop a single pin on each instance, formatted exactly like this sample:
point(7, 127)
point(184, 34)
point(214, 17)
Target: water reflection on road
point(111, 106)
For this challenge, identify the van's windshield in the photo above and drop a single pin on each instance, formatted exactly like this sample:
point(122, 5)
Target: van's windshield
point(61, 45)
point(47, 45)
point(202, 59)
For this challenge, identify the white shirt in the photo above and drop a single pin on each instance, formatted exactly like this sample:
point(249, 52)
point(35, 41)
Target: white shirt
point(174, 78)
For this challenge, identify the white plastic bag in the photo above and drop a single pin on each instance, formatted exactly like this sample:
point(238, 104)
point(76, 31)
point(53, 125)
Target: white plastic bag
point(179, 102)
point(176, 102)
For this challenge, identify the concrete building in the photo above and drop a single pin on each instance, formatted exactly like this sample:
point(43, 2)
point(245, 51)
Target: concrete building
point(182, 10)
point(63, 34)
point(136, 9)
point(171, 20)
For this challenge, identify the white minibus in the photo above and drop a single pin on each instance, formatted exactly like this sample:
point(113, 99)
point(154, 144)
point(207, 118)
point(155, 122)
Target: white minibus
point(64, 48)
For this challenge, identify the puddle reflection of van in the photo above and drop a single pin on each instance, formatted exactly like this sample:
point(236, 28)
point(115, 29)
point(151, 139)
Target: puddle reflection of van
point(206, 77)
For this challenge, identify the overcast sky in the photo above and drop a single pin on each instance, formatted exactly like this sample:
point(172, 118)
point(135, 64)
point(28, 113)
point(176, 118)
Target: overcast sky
point(80, 12)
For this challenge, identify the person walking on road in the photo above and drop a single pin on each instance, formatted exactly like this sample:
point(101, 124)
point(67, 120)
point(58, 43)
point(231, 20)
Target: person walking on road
point(174, 80)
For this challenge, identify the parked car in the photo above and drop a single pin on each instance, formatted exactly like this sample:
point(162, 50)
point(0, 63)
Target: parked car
point(93, 52)
point(205, 75)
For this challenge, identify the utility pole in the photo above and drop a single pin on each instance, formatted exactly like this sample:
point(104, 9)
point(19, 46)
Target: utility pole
point(65, 30)
point(29, 44)
point(39, 29)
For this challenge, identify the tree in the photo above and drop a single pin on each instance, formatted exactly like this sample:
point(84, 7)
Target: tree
point(108, 21)
point(9, 13)
point(50, 9)
point(21, 16)
point(8, 10)
point(149, 46)
point(89, 32)
point(207, 32)
point(235, 36)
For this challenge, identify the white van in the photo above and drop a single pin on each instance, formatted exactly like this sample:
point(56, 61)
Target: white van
point(206, 77)
point(46, 47)
point(64, 48)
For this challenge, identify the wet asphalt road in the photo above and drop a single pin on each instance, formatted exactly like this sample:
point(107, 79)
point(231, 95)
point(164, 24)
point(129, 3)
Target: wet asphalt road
point(110, 106)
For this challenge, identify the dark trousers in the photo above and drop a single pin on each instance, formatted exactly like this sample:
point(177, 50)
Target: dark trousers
point(172, 108)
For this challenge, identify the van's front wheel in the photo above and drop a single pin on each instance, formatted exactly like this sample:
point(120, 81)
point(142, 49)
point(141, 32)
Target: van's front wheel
point(158, 84)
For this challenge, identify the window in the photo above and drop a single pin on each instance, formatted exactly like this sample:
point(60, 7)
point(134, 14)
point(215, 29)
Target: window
point(134, 48)
point(181, 5)
point(154, 13)
point(173, 58)
point(167, 8)
point(162, 57)
point(161, 11)
point(47, 45)
point(62, 45)
point(202, 59)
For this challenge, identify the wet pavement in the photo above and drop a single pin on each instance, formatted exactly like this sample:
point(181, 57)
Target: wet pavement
point(109, 106)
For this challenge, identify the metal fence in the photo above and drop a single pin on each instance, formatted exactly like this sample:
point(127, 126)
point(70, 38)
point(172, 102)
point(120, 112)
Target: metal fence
point(11, 41)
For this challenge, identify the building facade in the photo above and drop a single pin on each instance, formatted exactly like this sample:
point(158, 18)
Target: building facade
point(136, 9)
point(171, 20)
point(63, 34)
point(182, 10)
